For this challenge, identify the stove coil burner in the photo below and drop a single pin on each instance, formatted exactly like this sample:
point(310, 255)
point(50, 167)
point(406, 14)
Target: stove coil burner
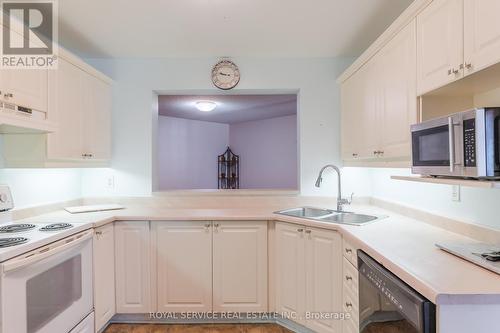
point(16, 228)
point(6, 242)
point(56, 227)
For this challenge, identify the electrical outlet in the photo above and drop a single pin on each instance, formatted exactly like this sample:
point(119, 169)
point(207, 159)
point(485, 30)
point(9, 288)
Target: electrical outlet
point(455, 193)
point(110, 182)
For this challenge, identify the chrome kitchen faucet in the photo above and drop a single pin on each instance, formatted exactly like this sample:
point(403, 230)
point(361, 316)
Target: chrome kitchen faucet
point(340, 202)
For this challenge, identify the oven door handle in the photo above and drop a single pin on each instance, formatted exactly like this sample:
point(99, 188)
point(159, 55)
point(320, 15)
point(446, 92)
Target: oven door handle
point(47, 251)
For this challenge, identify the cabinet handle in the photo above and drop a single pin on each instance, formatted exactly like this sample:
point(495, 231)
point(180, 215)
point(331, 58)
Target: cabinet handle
point(354, 155)
point(308, 231)
point(468, 65)
point(348, 305)
point(207, 226)
point(348, 278)
point(453, 71)
point(8, 95)
point(98, 233)
point(348, 251)
point(300, 230)
point(375, 152)
point(216, 226)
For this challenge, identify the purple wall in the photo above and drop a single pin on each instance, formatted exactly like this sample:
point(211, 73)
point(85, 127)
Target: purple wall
point(268, 150)
point(187, 153)
point(188, 149)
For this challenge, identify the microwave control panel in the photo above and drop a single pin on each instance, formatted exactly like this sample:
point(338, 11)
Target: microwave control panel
point(469, 142)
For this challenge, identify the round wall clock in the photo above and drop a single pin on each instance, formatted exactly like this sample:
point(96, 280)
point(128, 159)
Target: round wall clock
point(225, 75)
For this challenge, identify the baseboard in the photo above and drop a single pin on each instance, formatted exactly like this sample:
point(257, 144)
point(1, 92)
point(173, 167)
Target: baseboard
point(270, 318)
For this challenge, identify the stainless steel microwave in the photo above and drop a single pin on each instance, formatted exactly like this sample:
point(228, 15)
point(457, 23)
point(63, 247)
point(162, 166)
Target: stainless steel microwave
point(464, 144)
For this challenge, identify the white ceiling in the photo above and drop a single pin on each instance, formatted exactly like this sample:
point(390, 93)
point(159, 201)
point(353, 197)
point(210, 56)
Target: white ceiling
point(206, 28)
point(230, 109)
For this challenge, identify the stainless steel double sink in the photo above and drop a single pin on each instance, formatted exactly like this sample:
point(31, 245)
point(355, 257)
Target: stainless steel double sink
point(329, 215)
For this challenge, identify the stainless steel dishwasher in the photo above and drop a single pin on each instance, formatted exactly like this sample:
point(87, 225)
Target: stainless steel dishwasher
point(387, 304)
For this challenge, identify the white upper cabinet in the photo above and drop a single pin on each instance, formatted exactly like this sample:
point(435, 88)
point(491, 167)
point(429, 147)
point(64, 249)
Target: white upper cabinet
point(184, 265)
point(482, 34)
point(399, 96)
point(240, 266)
point(97, 118)
point(379, 103)
point(78, 100)
point(66, 102)
point(439, 44)
point(81, 105)
point(25, 87)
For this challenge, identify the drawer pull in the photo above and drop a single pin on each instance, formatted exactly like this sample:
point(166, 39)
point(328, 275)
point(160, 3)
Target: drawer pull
point(300, 230)
point(348, 278)
point(348, 251)
point(348, 305)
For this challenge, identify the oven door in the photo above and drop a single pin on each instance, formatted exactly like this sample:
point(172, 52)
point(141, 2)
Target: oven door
point(50, 289)
point(437, 147)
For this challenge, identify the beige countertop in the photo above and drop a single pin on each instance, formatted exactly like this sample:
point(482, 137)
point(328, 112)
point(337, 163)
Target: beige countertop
point(403, 245)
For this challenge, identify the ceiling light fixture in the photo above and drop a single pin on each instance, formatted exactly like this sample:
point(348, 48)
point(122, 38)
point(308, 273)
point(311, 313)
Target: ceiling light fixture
point(206, 106)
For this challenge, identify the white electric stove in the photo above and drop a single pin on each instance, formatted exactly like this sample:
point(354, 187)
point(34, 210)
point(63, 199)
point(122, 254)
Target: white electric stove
point(45, 274)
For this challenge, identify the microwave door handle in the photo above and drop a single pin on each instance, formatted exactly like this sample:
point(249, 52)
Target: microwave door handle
point(451, 142)
point(46, 251)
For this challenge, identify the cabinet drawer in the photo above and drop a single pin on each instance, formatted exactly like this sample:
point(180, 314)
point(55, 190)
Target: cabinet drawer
point(350, 305)
point(350, 277)
point(349, 252)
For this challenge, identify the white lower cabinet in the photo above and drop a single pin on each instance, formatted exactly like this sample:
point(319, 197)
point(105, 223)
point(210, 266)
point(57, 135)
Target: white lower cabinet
point(184, 266)
point(211, 266)
point(323, 279)
point(104, 275)
point(240, 266)
point(308, 276)
point(133, 267)
point(290, 272)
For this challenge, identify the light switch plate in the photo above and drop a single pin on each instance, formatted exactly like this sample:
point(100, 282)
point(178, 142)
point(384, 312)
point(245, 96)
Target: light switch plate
point(6, 202)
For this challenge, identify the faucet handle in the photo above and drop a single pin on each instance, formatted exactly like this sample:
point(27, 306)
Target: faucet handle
point(347, 201)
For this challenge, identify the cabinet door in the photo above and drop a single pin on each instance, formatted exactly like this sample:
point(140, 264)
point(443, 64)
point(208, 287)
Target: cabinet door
point(25, 87)
point(132, 255)
point(97, 120)
point(290, 271)
point(104, 275)
point(184, 266)
point(351, 117)
point(399, 95)
point(66, 100)
point(240, 266)
point(323, 263)
point(439, 44)
point(482, 34)
point(370, 99)
point(29, 87)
